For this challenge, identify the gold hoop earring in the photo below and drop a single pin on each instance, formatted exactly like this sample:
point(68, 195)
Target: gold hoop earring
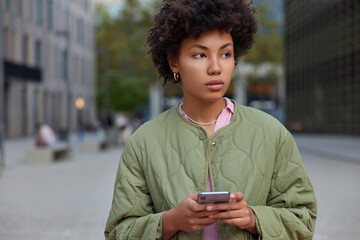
point(176, 77)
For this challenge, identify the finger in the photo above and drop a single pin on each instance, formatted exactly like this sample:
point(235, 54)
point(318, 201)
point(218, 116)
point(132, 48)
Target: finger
point(198, 227)
point(242, 212)
point(237, 196)
point(227, 214)
point(201, 221)
point(206, 213)
point(193, 196)
point(241, 223)
point(237, 201)
point(205, 221)
point(194, 206)
point(224, 206)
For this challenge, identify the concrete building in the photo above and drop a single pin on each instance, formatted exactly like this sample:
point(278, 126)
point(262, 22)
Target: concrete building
point(48, 62)
point(322, 58)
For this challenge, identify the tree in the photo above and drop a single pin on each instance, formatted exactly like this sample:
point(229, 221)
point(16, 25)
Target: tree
point(122, 59)
point(268, 46)
point(266, 56)
point(126, 91)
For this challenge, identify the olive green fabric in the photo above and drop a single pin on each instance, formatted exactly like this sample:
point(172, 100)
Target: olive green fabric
point(168, 158)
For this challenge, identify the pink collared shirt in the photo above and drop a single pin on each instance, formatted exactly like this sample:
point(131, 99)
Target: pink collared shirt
point(225, 117)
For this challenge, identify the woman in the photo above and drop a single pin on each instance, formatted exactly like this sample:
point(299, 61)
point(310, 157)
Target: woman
point(208, 142)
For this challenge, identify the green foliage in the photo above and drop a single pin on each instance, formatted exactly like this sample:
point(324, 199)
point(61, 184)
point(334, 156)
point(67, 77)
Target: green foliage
point(268, 46)
point(120, 43)
point(271, 76)
point(125, 92)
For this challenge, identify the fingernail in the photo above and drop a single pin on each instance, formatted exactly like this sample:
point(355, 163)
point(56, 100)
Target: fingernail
point(209, 208)
point(232, 195)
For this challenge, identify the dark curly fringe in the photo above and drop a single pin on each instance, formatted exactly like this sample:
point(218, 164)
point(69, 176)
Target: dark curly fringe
point(178, 19)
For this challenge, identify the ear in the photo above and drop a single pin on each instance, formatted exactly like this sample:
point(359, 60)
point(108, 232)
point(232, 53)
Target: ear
point(173, 64)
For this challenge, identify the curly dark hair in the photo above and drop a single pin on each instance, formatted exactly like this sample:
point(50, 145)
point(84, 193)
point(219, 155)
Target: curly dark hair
point(178, 19)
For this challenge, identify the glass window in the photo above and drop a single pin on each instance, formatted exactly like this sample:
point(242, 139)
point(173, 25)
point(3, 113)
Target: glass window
point(7, 5)
point(83, 70)
point(5, 42)
point(65, 64)
point(35, 106)
point(57, 61)
point(29, 10)
point(39, 12)
point(50, 15)
point(67, 20)
point(78, 30)
point(38, 54)
point(25, 50)
point(82, 32)
point(20, 7)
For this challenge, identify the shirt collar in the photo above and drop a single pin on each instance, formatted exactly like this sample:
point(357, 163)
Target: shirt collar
point(229, 105)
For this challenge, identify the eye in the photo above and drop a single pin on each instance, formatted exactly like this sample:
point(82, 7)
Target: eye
point(199, 55)
point(226, 55)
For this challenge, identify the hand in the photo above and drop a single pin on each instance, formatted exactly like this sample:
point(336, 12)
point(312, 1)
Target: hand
point(235, 212)
point(187, 216)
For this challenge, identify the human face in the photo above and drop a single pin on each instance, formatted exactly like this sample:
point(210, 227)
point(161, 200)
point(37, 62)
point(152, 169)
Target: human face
point(205, 65)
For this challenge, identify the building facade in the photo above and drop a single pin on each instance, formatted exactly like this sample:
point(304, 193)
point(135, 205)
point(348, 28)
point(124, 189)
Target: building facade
point(322, 60)
point(48, 62)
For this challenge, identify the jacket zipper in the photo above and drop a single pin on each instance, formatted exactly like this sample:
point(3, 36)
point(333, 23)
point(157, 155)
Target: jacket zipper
point(207, 170)
point(207, 164)
point(209, 175)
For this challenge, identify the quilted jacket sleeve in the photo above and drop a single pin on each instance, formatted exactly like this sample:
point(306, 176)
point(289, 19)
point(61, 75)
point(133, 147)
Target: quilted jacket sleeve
point(132, 215)
point(291, 208)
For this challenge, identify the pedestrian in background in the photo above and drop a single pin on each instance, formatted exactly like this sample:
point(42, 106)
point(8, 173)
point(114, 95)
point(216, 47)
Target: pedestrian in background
point(45, 136)
point(208, 142)
point(81, 130)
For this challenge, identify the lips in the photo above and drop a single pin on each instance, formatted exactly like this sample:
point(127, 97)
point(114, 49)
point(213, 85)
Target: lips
point(215, 85)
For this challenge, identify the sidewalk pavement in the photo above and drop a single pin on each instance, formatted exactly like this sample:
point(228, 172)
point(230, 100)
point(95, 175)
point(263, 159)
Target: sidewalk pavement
point(68, 199)
point(347, 148)
point(333, 164)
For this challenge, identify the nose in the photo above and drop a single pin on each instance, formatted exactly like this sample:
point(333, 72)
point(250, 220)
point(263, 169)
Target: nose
point(214, 67)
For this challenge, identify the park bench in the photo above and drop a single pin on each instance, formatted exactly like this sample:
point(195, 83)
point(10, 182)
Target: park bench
point(48, 154)
point(93, 145)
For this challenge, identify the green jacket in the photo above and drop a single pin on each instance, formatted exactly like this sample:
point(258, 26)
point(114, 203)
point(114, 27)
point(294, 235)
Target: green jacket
point(168, 158)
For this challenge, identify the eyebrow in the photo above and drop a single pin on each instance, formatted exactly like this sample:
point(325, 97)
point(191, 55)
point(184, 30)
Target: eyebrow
point(205, 48)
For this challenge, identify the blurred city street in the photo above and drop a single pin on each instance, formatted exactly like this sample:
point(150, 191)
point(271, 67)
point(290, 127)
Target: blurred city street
point(70, 199)
point(333, 163)
point(76, 66)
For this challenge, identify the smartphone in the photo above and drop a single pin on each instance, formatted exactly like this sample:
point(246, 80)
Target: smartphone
point(213, 197)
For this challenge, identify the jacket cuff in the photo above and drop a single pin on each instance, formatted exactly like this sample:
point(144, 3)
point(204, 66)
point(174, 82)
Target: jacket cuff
point(159, 229)
point(258, 228)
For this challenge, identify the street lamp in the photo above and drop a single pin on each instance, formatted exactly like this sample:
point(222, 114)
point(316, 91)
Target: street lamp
point(80, 103)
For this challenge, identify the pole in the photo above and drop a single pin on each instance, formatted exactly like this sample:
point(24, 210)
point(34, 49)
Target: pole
point(67, 81)
point(2, 92)
point(66, 35)
point(105, 85)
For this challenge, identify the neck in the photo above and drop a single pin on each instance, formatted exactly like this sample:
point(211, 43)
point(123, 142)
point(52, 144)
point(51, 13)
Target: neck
point(203, 112)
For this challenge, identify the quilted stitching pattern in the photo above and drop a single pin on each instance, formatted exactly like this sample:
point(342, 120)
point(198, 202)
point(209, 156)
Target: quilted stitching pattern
point(237, 160)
